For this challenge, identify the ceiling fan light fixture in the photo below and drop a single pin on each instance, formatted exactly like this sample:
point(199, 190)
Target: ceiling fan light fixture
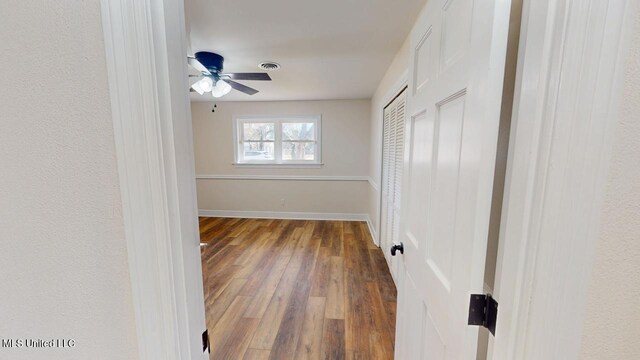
point(196, 86)
point(221, 89)
point(203, 85)
point(206, 84)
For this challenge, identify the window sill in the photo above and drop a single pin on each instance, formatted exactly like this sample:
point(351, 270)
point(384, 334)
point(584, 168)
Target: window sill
point(281, 166)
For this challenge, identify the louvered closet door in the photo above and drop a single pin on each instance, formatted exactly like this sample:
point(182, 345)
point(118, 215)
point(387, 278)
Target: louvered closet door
point(397, 174)
point(392, 158)
point(384, 215)
point(390, 177)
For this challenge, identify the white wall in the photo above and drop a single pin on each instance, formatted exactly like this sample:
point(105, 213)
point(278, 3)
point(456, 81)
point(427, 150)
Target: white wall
point(64, 271)
point(612, 322)
point(345, 146)
point(390, 84)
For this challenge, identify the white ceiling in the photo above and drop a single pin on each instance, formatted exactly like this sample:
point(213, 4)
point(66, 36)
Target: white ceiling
point(328, 49)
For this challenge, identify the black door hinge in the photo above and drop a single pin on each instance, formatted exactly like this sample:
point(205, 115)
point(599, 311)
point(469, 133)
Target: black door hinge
point(483, 311)
point(205, 341)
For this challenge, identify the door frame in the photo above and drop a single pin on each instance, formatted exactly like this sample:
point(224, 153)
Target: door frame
point(549, 226)
point(146, 49)
point(145, 43)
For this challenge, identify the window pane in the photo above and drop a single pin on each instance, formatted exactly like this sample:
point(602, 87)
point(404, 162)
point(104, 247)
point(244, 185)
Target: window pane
point(298, 151)
point(298, 131)
point(258, 131)
point(258, 151)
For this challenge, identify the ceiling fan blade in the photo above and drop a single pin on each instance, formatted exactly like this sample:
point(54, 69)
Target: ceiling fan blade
point(248, 76)
point(198, 65)
point(242, 88)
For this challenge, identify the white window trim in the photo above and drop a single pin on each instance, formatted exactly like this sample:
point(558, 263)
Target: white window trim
point(278, 121)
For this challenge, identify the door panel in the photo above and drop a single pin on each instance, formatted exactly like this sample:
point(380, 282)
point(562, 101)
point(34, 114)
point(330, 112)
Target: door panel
point(439, 244)
point(456, 70)
point(423, 60)
point(433, 342)
point(456, 26)
point(419, 176)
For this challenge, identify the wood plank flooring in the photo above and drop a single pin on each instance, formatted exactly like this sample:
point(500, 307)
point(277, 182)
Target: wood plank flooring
point(296, 289)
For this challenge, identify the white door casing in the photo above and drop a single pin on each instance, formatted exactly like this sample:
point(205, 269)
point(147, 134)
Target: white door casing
point(159, 299)
point(570, 67)
point(145, 47)
point(456, 71)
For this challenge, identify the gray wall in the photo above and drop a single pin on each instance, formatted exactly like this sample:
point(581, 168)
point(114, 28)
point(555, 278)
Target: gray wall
point(64, 271)
point(345, 145)
point(611, 329)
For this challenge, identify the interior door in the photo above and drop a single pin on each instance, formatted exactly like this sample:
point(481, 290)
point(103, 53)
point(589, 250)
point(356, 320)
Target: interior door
point(456, 71)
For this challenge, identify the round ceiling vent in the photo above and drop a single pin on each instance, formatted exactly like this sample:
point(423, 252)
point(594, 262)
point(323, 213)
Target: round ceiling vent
point(269, 65)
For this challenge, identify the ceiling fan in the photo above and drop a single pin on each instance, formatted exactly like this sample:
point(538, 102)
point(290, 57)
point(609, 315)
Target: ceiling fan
point(214, 80)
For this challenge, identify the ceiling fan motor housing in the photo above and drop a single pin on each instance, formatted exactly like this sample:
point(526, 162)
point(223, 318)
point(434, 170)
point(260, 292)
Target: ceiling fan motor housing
point(210, 65)
point(212, 61)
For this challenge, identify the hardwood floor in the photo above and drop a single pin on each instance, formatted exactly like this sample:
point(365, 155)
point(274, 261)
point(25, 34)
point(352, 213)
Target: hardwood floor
point(296, 289)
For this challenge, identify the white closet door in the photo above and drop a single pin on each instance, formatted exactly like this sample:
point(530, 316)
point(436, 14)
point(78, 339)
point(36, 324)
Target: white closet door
point(392, 159)
point(397, 175)
point(390, 175)
point(384, 216)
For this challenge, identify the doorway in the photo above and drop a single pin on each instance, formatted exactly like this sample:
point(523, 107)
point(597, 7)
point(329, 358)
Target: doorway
point(163, 273)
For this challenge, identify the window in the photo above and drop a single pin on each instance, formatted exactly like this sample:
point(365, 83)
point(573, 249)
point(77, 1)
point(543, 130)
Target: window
point(277, 140)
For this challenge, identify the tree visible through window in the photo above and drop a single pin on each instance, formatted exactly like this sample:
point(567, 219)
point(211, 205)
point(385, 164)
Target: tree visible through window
point(286, 140)
point(298, 141)
point(259, 140)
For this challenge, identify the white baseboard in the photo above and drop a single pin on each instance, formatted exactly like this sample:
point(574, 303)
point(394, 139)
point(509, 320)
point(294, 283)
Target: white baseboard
point(292, 216)
point(283, 215)
point(372, 231)
point(283, 177)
